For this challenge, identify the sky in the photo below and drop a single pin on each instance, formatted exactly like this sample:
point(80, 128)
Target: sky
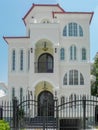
point(11, 23)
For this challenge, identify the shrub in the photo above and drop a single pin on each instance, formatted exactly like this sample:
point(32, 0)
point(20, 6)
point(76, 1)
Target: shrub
point(4, 125)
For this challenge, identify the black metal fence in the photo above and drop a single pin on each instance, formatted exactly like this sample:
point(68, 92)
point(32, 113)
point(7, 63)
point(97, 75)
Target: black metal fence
point(76, 113)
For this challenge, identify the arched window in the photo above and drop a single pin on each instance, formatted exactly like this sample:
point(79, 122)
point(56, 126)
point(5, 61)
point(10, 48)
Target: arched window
point(62, 102)
point(65, 79)
point(65, 31)
point(73, 78)
point(73, 29)
point(73, 52)
point(21, 59)
point(83, 54)
point(45, 21)
point(62, 53)
point(13, 60)
point(45, 63)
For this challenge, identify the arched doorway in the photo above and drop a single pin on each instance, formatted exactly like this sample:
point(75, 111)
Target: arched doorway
point(45, 63)
point(45, 104)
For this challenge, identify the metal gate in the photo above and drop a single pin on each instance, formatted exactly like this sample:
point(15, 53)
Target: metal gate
point(78, 112)
point(26, 115)
point(74, 113)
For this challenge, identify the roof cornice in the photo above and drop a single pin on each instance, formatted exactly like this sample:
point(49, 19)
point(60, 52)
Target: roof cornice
point(21, 37)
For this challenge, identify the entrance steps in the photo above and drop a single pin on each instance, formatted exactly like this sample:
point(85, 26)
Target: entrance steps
point(40, 123)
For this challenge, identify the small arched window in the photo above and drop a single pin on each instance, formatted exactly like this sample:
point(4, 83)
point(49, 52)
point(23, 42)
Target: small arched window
point(73, 52)
point(62, 53)
point(13, 60)
point(45, 21)
point(83, 54)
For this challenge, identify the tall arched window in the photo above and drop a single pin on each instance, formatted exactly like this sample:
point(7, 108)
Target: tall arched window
point(21, 59)
point(62, 53)
point(83, 54)
point(13, 60)
point(73, 52)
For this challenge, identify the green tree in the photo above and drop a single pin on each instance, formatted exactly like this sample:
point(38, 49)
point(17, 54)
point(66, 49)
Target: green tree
point(94, 71)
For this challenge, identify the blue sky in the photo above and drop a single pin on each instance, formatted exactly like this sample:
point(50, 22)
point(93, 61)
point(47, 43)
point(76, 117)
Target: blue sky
point(11, 24)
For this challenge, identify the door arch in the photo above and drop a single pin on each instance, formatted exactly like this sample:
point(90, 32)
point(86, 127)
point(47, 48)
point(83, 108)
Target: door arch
point(45, 104)
point(45, 63)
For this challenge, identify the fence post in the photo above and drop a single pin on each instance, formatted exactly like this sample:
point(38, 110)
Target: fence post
point(1, 113)
point(84, 112)
point(57, 114)
point(15, 114)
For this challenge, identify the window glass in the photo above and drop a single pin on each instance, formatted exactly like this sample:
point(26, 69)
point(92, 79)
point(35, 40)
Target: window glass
point(21, 94)
point(71, 77)
point(21, 60)
point(81, 79)
point(13, 92)
point(13, 60)
point(65, 79)
point(62, 54)
point(83, 54)
point(73, 52)
point(65, 31)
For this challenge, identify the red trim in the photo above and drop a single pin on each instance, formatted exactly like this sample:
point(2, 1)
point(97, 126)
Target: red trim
point(5, 38)
point(91, 17)
point(74, 13)
point(41, 5)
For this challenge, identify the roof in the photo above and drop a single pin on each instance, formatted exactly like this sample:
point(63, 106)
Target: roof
point(22, 37)
point(38, 5)
point(74, 13)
